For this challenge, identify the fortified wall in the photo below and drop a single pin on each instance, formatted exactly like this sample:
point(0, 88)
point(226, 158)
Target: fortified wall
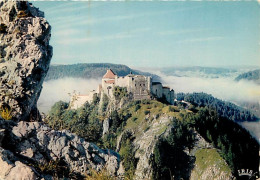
point(138, 87)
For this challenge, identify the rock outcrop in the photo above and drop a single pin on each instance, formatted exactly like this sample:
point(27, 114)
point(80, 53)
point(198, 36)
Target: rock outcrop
point(25, 56)
point(30, 144)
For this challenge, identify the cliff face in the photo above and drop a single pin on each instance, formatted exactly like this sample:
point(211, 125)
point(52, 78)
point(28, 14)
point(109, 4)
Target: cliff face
point(37, 149)
point(25, 56)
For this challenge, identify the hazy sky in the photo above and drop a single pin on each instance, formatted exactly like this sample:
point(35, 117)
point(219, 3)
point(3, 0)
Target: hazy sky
point(155, 34)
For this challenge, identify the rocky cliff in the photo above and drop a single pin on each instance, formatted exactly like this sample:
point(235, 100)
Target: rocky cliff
point(25, 56)
point(32, 150)
point(41, 152)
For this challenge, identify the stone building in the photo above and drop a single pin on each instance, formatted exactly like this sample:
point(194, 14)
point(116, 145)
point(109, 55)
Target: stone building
point(138, 87)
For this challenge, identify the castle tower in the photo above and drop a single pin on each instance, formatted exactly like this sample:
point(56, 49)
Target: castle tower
point(108, 82)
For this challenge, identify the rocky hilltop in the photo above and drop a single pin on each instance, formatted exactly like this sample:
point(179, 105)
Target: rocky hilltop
point(149, 139)
point(25, 56)
point(32, 150)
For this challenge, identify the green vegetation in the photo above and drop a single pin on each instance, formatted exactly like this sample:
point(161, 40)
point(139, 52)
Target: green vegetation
point(128, 155)
point(105, 101)
point(207, 158)
point(3, 28)
point(58, 169)
point(169, 158)
point(224, 109)
point(101, 175)
point(235, 144)
point(84, 121)
point(5, 113)
point(120, 92)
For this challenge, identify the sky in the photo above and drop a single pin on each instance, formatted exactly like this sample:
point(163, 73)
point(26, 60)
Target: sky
point(155, 34)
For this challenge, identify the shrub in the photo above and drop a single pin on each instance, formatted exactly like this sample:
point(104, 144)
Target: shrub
point(22, 14)
point(105, 102)
point(128, 157)
point(3, 28)
point(146, 112)
point(101, 175)
point(120, 92)
point(58, 169)
point(137, 107)
point(5, 113)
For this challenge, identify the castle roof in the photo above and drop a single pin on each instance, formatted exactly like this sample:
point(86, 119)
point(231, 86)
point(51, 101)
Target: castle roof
point(109, 74)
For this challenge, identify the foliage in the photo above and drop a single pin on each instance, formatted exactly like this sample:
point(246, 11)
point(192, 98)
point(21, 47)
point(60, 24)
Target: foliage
point(120, 92)
point(101, 175)
point(90, 70)
point(128, 155)
point(237, 146)
point(3, 28)
point(22, 14)
point(224, 109)
point(207, 158)
point(5, 113)
point(105, 101)
point(58, 169)
point(169, 158)
point(83, 121)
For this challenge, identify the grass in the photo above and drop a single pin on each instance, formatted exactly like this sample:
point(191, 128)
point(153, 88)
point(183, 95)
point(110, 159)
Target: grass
point(5, 113)
point(206, 158)
point(101, 175)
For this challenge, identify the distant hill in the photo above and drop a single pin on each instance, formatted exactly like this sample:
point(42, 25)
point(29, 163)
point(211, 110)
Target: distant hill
point(91, 70)
point(198, 71)
point(250, 76)
point(223, 108)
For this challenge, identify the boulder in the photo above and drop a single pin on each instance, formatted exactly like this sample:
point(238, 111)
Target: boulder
point(25, 56)
point(36, 143)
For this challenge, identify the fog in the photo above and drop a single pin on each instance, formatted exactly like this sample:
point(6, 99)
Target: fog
point(222, 88)
point(56, 90)
point(253, 128)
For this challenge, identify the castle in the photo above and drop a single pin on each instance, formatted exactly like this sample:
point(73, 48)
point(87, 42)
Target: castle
point(138, 86)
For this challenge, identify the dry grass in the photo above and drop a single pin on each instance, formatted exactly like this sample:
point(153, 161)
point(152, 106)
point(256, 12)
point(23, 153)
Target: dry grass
point(5, 113)
point(101, 175)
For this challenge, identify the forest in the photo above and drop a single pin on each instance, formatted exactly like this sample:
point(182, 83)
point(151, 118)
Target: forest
point(91, 70)
point(250, 76)
point(223, 108)
point(233, 143)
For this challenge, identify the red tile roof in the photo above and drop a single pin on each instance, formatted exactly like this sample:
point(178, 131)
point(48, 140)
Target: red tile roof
point(110, 74)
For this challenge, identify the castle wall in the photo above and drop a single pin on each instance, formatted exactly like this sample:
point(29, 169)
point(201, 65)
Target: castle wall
point(79, 100)
point(140, 86)
point(157, 90)
point(122, 82)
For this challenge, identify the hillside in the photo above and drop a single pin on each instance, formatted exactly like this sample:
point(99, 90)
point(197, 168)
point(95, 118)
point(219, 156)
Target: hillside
point(198, 71)
point(224, 109)
point(158, 141)
point(91, 70)
point(250, 76)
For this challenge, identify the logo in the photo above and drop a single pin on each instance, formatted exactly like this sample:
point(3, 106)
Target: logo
point(247, 174)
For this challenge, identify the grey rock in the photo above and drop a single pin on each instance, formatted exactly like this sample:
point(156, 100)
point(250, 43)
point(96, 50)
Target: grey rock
point(25, 56)
point(38, 143)
point(13, 169)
